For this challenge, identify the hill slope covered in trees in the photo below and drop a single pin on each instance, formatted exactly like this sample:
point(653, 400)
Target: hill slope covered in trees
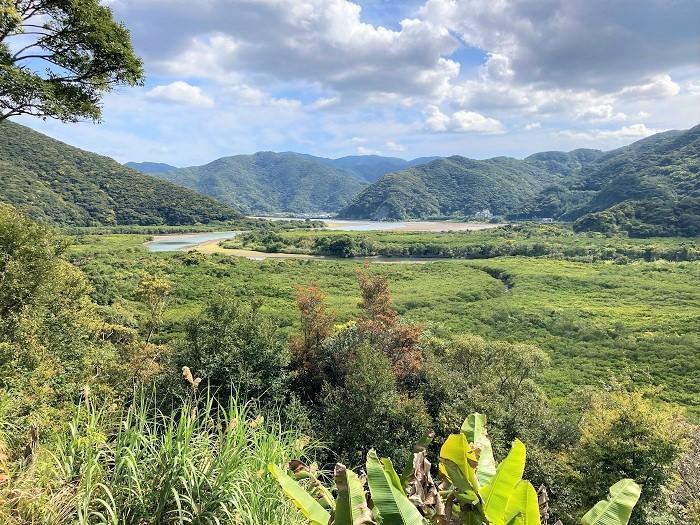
point(50, 180)
point(450, 186)
point(268, 182)
point(651, 187)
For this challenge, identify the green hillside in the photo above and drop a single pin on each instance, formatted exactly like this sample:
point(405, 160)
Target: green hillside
point(451, 186)
point(269, 182)
point(52, 181)
point(649, 188)
point(372, 167)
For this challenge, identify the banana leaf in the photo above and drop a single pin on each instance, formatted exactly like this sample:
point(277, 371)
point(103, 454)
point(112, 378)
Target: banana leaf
point(474, 428)
point(392, 504)
point(523, 506)
point(456, 449)
point(351, 505)
point(308, 506)
point(497, 493)
point(617, 509)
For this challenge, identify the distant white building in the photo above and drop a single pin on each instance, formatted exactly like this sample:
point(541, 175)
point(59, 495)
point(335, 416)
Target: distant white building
point(484, 215)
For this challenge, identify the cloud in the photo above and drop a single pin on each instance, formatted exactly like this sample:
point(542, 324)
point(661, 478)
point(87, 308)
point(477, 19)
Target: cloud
point(252, 96)
point(532, 125)
point(180, 92)
point(634, 131)
point(594, 44)
point(659, 86)
point(693, 87)
point(362, 150)
point(316, 41)
point(460, 122)
point(600, 113)
point(394, 147)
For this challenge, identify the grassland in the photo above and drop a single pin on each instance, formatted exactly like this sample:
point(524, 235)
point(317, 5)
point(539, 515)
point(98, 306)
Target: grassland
point(595, 318)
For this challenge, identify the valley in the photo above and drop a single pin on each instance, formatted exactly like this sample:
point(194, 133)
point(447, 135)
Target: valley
point(349, 262)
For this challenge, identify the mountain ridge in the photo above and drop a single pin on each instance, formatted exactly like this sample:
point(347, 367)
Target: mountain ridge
point(662, 169)
point(53, 181)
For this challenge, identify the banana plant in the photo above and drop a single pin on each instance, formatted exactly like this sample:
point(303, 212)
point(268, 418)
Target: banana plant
point(472, 489)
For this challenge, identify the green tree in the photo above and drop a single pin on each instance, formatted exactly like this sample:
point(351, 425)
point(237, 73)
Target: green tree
point(154, 292)
point(364, 409)
point(49, 328)
point(625, 434)
point(233, 345)
point(58, 58)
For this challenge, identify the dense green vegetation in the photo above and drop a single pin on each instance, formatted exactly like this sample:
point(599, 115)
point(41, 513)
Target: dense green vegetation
point(472, 488)
point(52, 181)
point(590, 316)
point(367, 357)
point(57, 59)
point(649, 188)
point(553, 241)
point(455, 185)
point(269, 182)
point(369, 168)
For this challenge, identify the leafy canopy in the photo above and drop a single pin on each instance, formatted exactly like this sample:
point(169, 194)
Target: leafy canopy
point(58, 57)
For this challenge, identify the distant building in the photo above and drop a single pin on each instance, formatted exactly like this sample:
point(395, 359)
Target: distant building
point(548, 219)
point(484, 215)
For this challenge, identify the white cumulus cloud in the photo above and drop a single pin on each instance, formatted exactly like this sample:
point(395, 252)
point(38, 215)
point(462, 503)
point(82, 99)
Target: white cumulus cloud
point(180, 92)
point(460, 122)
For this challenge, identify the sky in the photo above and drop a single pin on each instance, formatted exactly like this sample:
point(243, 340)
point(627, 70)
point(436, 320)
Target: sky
point(405, 78)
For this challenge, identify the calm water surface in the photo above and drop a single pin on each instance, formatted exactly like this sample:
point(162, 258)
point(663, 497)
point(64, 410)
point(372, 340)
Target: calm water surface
point(185, 241)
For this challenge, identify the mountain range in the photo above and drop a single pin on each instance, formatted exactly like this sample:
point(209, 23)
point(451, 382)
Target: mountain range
point(49, 180)
point(268, 182)
point(651, 187)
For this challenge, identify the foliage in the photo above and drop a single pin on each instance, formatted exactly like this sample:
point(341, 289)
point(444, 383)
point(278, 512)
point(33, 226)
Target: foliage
point(363, 406)
point(234, 346)
point(469, 373)
point(51, 181)
point(50, 341)
point(203, 463)
point(57, 58)
point(624, 434)
point(460, 497)
point(590, 317)
point(451, 186)
point(531, 240)
point(269, 182)
point(154, 291)
point(686, 497)
point(649, 188)
point(307, 347)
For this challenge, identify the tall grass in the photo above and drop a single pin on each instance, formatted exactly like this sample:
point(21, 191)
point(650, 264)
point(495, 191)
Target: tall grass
point(202, 464)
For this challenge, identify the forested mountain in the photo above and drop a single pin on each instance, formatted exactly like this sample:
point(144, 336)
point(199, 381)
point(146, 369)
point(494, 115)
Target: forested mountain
point(455, 185)
point(268, 182)
point(150, 167)
point(651, 187)
point(372, 167)
point(50, 180)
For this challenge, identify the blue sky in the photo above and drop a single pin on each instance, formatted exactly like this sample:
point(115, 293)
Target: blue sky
point(478, 78)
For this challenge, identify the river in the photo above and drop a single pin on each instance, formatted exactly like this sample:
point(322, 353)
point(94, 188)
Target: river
point(187, 241)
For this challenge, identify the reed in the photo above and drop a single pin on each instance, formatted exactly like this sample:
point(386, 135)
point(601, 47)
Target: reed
point(204, 463)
